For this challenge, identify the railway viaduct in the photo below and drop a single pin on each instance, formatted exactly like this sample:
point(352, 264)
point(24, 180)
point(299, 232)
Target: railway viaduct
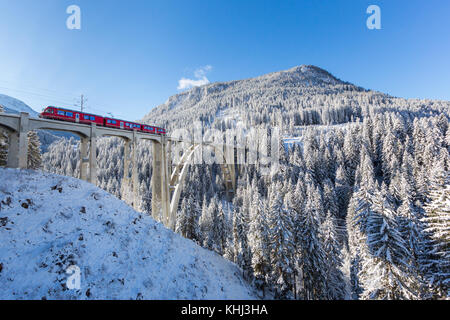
point(167, 179)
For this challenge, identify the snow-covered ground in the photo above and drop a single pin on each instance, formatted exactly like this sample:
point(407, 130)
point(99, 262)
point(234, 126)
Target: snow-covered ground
point(299, 132)
point(49, 223)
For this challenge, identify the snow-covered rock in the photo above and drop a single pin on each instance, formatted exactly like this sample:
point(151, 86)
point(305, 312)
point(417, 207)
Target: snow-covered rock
point(49, 223)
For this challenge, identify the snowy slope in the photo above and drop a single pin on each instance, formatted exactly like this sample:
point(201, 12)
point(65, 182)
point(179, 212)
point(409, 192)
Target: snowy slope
point(13, 105)
point(50, 222)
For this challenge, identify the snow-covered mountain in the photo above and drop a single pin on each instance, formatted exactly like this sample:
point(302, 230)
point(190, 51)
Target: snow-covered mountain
point(13, 105)
point(49, 223)
point(304, 95)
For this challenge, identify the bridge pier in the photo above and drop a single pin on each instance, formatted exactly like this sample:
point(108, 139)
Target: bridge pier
point(134, 172)
point(230, 174)
point(93, 155)
point(165, 192)
point(160, 185)
point(126, 162)
point(83, 158)
point(18, 144)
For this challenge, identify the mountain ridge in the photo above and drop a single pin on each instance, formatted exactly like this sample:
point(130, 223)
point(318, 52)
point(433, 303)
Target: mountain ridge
point(14, 105)
point(299, 96)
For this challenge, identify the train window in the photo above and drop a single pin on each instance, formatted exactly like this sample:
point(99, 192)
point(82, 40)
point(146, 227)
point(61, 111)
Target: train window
point(113, 121)
point(92, 118)
point(127, 124)
point(61, 113)
point(86, 117)
point(69, 114)
point(108, 121)
point(49, 110)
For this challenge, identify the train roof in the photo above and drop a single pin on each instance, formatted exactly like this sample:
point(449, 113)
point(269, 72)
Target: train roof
point(67, 109)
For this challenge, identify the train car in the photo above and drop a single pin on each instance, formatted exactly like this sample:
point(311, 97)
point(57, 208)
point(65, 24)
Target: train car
point(63, 114)
point(161, 131)
point(149, 129)
point(122, 124)
point(71, 115)
point(127, 125)
point(154, 130)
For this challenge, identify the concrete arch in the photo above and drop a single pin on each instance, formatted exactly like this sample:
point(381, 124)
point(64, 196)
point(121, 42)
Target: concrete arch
point(178, 176)
point(80, 135)
point(83, 132)
point(9, 122)
point(110, 135)
point(106, 132)
point(7, 129)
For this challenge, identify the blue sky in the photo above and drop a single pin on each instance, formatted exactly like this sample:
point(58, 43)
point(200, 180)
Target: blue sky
point(129, 56)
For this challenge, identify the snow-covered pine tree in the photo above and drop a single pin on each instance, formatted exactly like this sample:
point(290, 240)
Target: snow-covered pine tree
point(359, 210)
point(281, 244)
point(295, 199)
point(334, 281)
point(343, 191)
point(312, 253)
point(330, 201)
point(386, 278)
point(221, 229)
point(411, 229)
point(34, 151)
point(346, 272)
point(242, 250)
point(258, 239)
point(352, 148)
point(183, 217)
point(437, 263)
point(209, 226)
point(389, 155)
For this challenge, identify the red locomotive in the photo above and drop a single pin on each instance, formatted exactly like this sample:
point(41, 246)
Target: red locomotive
point(88, 118)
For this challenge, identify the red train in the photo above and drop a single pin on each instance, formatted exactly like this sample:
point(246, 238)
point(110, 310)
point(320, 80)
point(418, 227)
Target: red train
point(88, 118)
